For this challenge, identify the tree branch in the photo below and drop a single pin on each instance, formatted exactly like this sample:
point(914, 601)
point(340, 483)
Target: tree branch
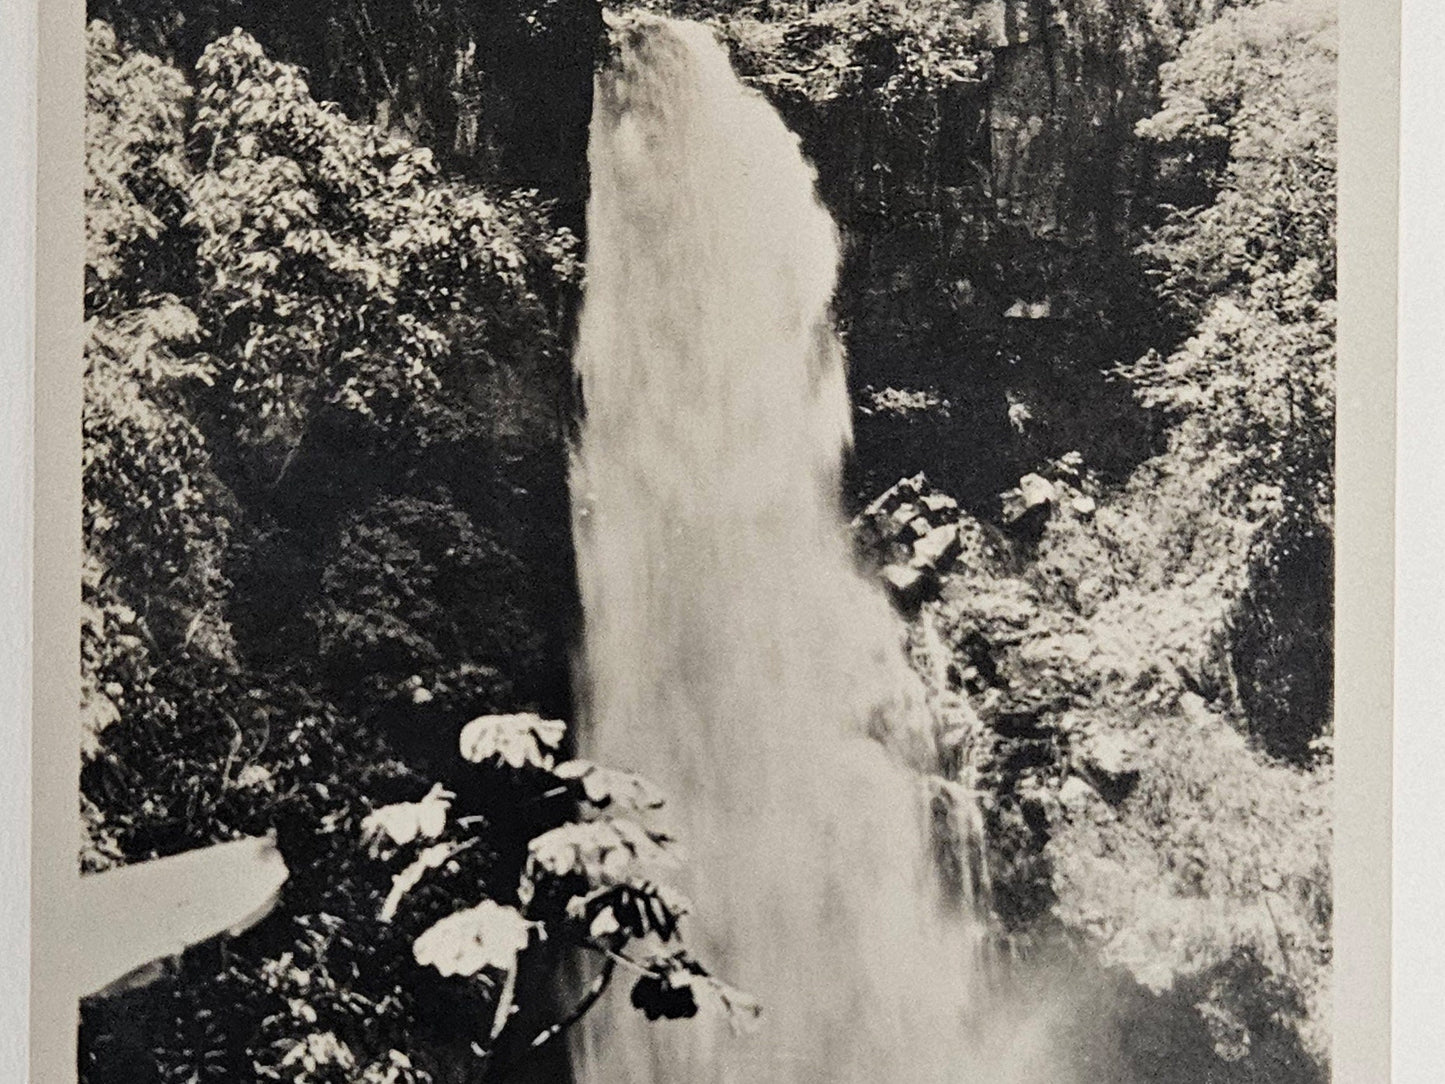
point(595, 991)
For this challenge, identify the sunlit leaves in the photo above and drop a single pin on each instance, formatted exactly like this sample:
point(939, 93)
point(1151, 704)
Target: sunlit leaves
point(610, 789)
point(1249, 105)
point(150, 496)
point(602, 867)
point(152, 504)
point(604, 852)
point(1253, 265)
point(153, 590)
point(393, 1067)
point(346, 271)
point(400, 823)
point(517, 741)
point(1247, 132)
point(309, 1058)
point(488, 935)
point(135, 162)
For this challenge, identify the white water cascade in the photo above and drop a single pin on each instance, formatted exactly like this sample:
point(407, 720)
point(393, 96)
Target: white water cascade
point(732, 653)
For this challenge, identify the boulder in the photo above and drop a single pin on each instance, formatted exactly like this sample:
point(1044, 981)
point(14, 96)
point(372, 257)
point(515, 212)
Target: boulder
point(904, 491)
point(909, 587)
point(938, 548)
point(902, 516)
point(1108, 763)
point(1036, 490)
point(910, 533)
point(1075, 793)
point(1027, 508)
point(939, 506)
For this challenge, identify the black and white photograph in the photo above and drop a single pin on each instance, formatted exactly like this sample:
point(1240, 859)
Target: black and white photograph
point(707, 542)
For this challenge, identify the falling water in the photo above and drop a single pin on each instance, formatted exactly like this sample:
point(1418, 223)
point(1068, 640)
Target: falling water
point(732, 653)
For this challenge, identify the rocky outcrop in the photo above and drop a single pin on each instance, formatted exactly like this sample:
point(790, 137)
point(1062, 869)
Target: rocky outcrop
point(1030, 756)
point(913, 534)
point(1027, 508)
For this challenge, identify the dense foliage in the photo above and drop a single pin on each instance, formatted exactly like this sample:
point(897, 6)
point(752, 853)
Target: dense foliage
point(328, 586)
point(1248, 118)
point(325, 522)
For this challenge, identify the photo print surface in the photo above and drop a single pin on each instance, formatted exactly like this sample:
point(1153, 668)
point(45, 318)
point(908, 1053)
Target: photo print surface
point(708, 542)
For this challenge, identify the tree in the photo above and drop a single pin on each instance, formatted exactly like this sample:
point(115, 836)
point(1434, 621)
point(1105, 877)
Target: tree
point(1248, 123)
point(378, 330)
point(155, 636)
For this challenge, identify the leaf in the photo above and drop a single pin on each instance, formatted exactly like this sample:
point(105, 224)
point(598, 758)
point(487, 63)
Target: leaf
point(319, 1049)
point(605, 787)
point(660, 998)
point(403, 822)
point(407, 879)
point(393, 1068)
point(636, 909)
point(604, 852)
point(524, 740)
point(677, 986)
point(488, 936)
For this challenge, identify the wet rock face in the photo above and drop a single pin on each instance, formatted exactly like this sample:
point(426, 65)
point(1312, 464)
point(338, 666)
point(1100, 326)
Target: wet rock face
point(922, 545)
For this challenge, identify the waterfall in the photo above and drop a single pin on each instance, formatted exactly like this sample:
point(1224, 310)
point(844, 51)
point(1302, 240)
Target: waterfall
point(732, 654)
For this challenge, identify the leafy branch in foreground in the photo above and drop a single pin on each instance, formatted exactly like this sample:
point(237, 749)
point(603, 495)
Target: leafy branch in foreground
point(588, 884)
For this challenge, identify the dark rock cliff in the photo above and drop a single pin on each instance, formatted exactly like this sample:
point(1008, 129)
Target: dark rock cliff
point(991, 198)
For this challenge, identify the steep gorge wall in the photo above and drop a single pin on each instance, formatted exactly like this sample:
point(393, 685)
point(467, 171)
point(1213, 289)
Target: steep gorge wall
point(984, 170)
point(982, 167)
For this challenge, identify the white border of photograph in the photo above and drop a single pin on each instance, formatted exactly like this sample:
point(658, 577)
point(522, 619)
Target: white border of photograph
point(1418, 978)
